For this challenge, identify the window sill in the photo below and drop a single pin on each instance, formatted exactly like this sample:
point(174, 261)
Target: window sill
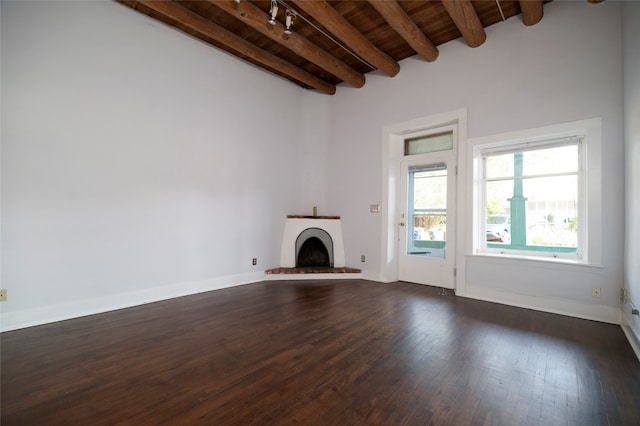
point(507, 257)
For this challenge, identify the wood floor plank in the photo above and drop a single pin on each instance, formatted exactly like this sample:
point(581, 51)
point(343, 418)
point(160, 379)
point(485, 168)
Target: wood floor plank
point(335, 352)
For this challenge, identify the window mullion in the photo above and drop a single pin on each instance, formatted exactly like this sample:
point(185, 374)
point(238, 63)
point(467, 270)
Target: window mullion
point(545, 175)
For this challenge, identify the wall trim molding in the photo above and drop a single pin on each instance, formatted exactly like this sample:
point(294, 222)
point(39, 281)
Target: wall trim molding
point(565, 307)
point(631, 326)
point(64, 311)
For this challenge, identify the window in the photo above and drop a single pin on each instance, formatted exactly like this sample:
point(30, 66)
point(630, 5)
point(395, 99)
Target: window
point(532, 195)
point(427, 210)
point(429, 143)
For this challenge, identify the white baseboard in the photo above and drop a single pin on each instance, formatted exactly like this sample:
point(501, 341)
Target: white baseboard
point(631, 326)
point(600, 313)
point(47, 314)
point(370, 275)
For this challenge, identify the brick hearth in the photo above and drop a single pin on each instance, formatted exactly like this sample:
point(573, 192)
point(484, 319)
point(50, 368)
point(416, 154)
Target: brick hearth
point(343, 270)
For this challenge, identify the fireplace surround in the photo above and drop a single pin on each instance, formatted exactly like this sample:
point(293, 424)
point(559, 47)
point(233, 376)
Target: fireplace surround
point(300, 229)
point(319, 240)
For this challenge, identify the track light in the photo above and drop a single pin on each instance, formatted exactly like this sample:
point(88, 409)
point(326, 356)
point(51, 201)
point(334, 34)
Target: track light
point(290, 16)
point(274, 12)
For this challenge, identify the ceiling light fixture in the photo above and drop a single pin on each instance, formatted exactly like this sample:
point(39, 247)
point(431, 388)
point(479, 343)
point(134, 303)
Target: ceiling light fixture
point(290, 17)
point(273, 12)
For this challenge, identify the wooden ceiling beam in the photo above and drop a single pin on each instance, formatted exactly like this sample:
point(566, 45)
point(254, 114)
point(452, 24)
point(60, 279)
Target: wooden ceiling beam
point(398, 19)
point(258, 20)
point(205, 27)
point(531, 11)
point(466, 19)
point(337, 25)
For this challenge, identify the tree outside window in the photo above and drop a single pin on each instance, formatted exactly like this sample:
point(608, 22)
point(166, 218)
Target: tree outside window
point(534, 189)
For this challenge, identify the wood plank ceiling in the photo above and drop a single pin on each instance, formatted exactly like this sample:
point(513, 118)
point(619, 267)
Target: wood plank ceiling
point(332, 42)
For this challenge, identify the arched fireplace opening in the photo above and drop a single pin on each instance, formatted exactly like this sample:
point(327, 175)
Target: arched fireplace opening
point(313, 253)
point(314, 249)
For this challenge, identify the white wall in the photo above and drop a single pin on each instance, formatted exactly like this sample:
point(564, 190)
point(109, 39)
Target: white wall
point(139, 163)
point(631, 35)
point(566, 68)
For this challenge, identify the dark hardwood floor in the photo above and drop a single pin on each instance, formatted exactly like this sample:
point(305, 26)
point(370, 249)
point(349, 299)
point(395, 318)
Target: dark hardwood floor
point(320, 353)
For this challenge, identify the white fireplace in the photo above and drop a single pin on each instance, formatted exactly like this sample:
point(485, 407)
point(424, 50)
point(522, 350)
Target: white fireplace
point(325, 229)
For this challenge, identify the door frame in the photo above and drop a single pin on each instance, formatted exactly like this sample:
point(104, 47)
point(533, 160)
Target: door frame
point(392, 152)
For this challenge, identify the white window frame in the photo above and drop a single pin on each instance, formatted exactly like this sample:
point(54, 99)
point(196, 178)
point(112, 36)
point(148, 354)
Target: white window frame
point(589, 188)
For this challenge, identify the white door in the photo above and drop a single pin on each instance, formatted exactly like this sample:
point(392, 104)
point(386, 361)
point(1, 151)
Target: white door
point(426, 250)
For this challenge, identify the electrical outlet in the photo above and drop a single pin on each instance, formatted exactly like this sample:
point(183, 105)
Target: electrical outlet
point(595, 292)
point(254, 261)
point(363, 258)
point(3, 295)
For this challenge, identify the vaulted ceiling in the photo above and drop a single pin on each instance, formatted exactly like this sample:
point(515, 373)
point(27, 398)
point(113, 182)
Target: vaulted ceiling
point(331, 42)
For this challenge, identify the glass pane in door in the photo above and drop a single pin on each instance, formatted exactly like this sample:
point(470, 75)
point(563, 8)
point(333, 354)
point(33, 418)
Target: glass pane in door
point(427, 211)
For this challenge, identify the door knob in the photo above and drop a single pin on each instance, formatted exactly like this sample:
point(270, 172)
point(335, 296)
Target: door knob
point(401, 223)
